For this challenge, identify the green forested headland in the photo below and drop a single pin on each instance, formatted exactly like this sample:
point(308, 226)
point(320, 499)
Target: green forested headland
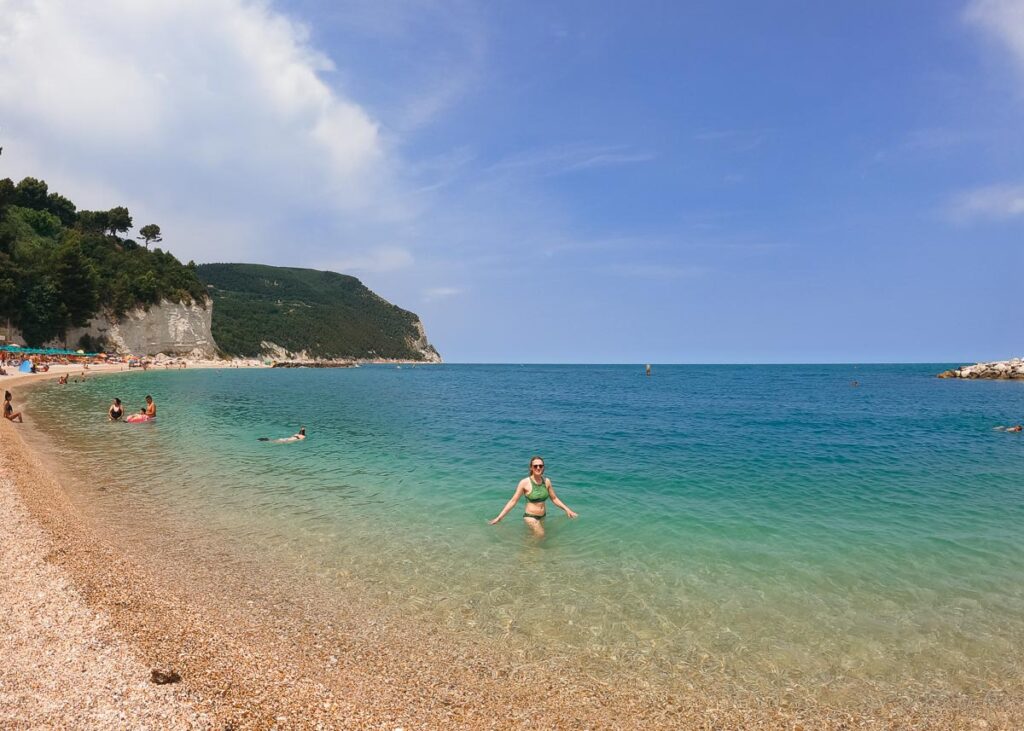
point(60, 266)
point(326, 314)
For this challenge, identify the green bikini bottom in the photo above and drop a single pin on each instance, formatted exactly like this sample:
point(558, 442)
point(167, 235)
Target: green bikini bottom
point(538, 517)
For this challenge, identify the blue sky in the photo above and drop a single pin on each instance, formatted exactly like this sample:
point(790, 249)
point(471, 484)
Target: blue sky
point(565, 182)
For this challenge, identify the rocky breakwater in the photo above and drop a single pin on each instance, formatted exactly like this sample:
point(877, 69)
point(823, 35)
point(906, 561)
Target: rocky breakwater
point(175, 328)
point(313, 364)
point(1000, 369)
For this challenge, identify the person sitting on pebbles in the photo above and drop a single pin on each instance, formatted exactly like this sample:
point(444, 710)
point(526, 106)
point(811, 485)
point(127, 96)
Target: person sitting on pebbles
point(9, 413)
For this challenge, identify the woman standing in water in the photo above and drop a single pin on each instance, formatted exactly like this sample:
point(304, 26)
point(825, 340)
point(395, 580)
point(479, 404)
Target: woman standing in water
point(537, 488)
point(116, 411)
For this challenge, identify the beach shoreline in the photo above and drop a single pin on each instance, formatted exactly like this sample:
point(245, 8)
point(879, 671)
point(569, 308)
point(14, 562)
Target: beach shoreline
point(256, 665)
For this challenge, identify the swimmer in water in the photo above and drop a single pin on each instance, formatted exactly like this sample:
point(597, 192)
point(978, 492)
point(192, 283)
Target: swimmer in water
point(297, 437)
point(1016, 428)
point(537, 488)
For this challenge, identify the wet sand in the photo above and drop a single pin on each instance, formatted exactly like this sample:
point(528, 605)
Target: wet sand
point(85, 620)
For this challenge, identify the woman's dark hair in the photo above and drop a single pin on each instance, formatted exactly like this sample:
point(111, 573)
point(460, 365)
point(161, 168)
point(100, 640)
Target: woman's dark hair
point(7, 396)
point(117, 401)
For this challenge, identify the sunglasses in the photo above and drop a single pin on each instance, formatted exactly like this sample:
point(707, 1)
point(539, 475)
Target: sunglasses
point(537, 466)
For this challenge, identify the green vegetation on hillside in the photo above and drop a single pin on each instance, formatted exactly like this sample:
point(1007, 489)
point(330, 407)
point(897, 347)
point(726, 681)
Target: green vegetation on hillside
point(60, 266)
point(328, 315)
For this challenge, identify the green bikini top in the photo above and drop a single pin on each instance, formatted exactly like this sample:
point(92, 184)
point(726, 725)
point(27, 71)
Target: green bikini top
point(537, 493)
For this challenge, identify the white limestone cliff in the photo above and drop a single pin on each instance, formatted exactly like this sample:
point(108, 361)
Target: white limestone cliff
point(420, 343)
point(175, 328)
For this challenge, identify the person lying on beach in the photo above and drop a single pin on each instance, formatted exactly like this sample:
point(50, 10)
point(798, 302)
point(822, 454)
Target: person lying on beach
point(536, 488)
point(150, 409)
point(297, 437)
point(9, 413)
point(116, 411)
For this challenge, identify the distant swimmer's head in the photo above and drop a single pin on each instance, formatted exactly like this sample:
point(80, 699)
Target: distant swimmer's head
point(1016, 428)
point(536, 465)
point(149, 399)
point(117, 402)
point(302, 430)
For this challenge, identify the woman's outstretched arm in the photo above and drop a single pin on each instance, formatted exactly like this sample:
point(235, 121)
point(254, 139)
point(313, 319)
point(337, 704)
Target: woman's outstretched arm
point(554, 499)
point(509, 505)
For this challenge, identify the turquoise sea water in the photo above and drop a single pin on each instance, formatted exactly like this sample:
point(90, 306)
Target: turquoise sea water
point(775, 524)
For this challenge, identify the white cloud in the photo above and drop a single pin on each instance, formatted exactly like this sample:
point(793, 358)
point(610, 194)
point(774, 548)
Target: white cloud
point(437, 293)
point(211, 110)
point(382, 259)
point(1004, 20)
point(992, 202)
point(560, 159)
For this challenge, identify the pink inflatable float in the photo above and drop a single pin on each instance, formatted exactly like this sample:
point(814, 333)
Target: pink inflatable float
point(138, 418)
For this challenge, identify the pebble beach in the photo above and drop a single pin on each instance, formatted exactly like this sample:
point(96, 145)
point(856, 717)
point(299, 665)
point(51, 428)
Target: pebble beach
point(85, 623)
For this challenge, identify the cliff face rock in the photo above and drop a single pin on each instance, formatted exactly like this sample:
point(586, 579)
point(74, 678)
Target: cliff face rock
point(1000, 369)
point(420, 344)
point(174, 328)
point(277, 353)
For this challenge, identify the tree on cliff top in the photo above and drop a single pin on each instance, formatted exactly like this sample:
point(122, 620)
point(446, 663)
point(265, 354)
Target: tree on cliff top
point(118, 220)
point(150, 233)
point(60, 266)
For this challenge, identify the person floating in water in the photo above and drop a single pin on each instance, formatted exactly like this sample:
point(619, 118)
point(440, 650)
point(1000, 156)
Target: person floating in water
point(537, 488)
point(116, 411)
point(9, 413)
point(1015, 428)
point(297, 437)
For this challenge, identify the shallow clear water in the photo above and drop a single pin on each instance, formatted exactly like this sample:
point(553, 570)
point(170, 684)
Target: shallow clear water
point(774, 523)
